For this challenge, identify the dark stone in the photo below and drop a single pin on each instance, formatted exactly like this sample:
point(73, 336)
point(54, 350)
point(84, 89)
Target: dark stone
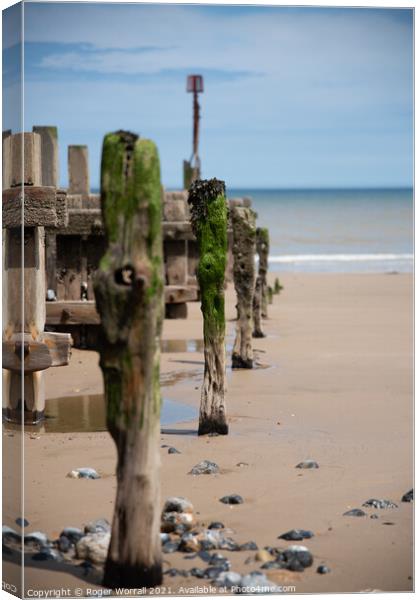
point(323, 570)
point(213, 572)
point(196, 572)
point(388, 523)
point(248, 546)
point(10, 535)
point(308, 464)
point(205, 556)
point(164, 446)
point(295, 565)
point(171, 572)
point(46, 554)
point(207, 545)
point(216, 525)
point(22, 522)
point(375, 503)
point(299, 554)
point(296, 535)
point(374, 516)
point(408, 496)
point(36, 539)
point(232, 499)
point(273, 564)
point(170, 547)
point(73, 534)
point(355, 512)
point(173, 450)
point(205, 467)
point(229, 544)
point(98, 526)
point(64, 544)
point(239, 363)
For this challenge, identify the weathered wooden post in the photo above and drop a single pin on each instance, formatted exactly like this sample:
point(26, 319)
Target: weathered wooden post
point(49, 154)
point(27, 349)
point(243, 225)
point(263, 248)
point(7, 156)
point(129, 296)
point(209, 222)
point(78, 166)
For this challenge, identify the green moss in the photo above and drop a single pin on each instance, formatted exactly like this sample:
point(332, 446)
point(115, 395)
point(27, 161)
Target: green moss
point(263, 235)
point(113, 393)
point(209, 219)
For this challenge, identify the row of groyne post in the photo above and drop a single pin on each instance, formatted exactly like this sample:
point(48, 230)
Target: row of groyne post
point(132, 282)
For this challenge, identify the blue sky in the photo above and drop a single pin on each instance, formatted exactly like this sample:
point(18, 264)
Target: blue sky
point(294, 97)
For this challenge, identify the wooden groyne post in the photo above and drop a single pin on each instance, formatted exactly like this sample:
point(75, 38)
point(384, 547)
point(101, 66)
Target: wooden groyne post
point(243, 226)
point(78, 166)
point(27, 349)
point(209, 222)
point(129, 295)
point(263, 249)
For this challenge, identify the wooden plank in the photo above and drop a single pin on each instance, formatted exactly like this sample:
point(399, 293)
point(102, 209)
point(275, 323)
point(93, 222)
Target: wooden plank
point(39, 206)
point(177, 230)
point(176, 262)
point(180, 293)
point(29, 146)
point(59, 347)
point(83, 221)
point(36, 356)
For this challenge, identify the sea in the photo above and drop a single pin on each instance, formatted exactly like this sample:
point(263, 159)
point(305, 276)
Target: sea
point(337, 231)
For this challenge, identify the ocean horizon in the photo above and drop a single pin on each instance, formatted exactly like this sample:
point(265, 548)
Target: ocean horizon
point(334, 229)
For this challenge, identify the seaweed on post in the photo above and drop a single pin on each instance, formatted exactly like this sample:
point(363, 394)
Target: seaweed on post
point(209, 222)
point(129, 297)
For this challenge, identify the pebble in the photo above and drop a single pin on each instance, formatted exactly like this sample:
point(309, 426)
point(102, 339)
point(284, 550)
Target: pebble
point(64, 543)
point(74, 534)
point(196, 572)
point(10, 535)
point(355, 512)
point(263, 556)
point(216, 525)
point(213, 572)
point(84, 473)
point(308, 464)
point(408, 496)
point(273, 564)
point(47, 554)
point(388, 523)
point(295, 535)
point(323, 570)
point(37, 538)
point(232, 499)
point(189, 543)
point(178, 504)
point(98, 526)
point(257, 583)
point(375, 503)
point(299, 553)
point(228, 579)
point(374, 516)
point(170, 547)
point(22, 522)
point(177, 522)
point(164, 537)
point(248, 546)
point(205, 467)
point(173, 450)
point(242, 464)
point(93, 547)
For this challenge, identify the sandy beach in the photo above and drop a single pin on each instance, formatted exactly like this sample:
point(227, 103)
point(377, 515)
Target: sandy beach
point(333, 384)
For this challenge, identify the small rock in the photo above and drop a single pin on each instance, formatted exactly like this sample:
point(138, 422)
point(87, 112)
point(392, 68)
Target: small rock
point(308, 464)
point(74, 534)
point(171, 572)
point(228, 579)
point(51, 297)
point(93, 547)
point(248, 546)
point(242, 464)
point(299, 553)
point(216, 525)
point(205, 467)
point(164, 446)
point(177, 522)
point(388, 523)
point(173, 450)
point(189, 543)
point(273, 564)
point(10, 535)
point(263, 556)
point(257, 583)
point(295, 535)
point(205, 556)
point(213, 572)
point(355, 512)
point(37, 539)
point(83, 473)
point(232, 499)
point(408, 496)
point(196, 572)
point(178, 504)
point(22, 522)
point(64, 544)
point(164, 537)
point(47, 554)
point(375, 503)
point(374, 516)
point(98, 526)
point(323, 570)
point(170, 547)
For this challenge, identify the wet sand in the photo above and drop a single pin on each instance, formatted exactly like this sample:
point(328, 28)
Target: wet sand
point(336, 387)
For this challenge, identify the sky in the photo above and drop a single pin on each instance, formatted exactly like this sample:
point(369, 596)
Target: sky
point(293, 97)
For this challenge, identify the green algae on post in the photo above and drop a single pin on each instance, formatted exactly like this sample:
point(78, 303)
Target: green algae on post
point(263, 249)
point(243, 227)
point(209, 222)
point(129, 298)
